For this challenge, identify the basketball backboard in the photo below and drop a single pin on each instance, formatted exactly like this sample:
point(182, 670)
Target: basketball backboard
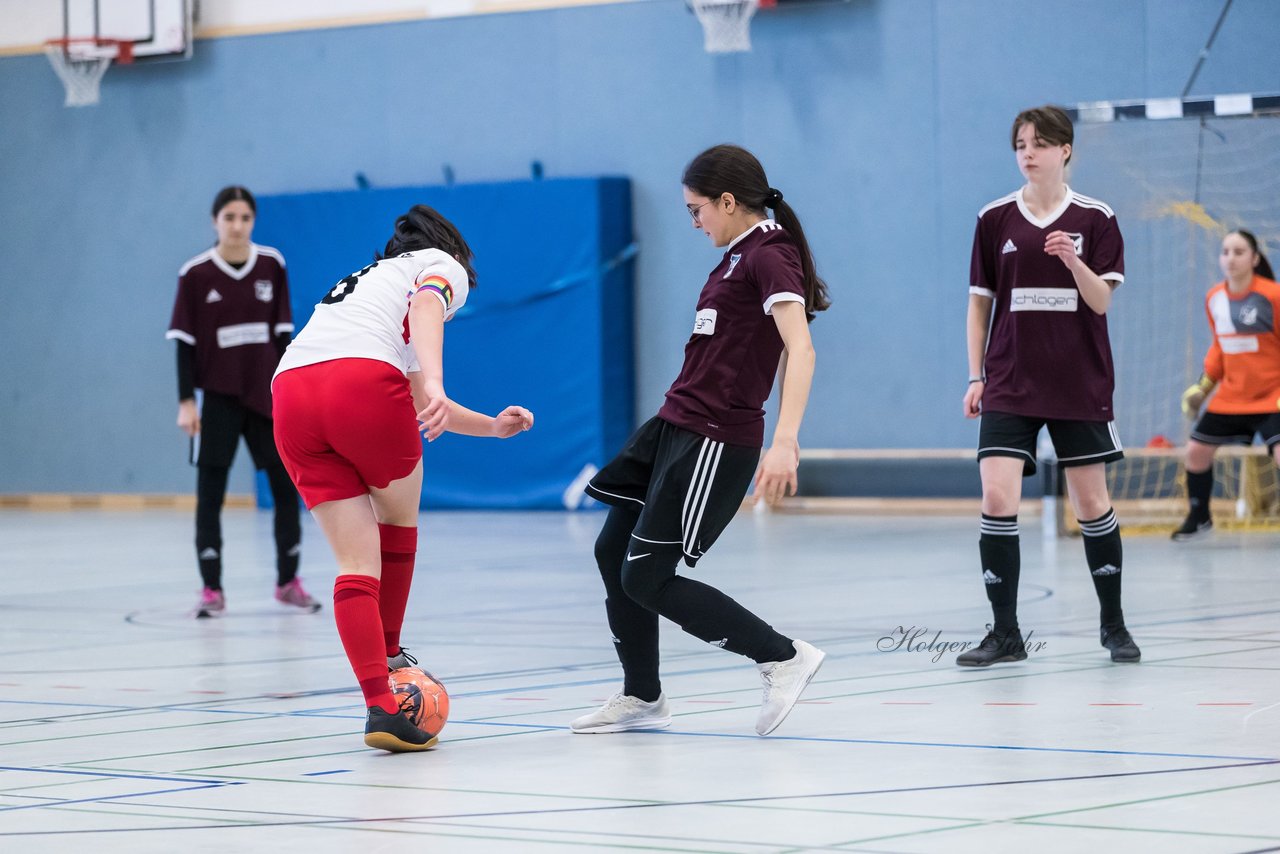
point(158, 29)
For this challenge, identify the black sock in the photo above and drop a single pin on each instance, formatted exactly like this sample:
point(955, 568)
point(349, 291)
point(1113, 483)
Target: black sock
point(1199, 491)
point(288, 528)
point(1105, 555)
point(649, 577)
point(211, 490)
point(634, 627)
point(1001, 554)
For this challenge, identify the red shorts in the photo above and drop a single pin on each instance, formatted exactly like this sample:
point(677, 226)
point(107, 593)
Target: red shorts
point(343, 426)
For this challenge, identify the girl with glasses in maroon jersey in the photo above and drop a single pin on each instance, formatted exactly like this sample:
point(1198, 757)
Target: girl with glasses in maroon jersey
point(1045, 263)
point(681, 477)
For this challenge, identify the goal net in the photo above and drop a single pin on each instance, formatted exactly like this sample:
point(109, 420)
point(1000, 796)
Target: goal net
point(1178, 186)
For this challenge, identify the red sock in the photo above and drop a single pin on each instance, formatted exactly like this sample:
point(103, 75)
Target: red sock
point(399, 546)
point(355, 609)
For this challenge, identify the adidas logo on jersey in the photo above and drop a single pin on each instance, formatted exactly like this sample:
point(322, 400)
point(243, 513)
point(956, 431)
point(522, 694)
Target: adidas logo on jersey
point(213, 296)
point(720, 643)
point(1008, 247)
point(1108, 569)
point(989, 577)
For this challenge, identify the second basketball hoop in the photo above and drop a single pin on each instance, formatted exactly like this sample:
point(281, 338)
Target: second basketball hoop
point(81, 63)
point(726, 24)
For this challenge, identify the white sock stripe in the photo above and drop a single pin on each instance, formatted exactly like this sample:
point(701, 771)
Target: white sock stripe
point(691, 541)
point(693, 482)
point(1000, 533)
point(1101, 527)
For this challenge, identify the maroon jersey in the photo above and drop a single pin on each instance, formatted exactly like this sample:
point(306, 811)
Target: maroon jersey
point(732, 355)
point(232, 317)
point(1049, 355)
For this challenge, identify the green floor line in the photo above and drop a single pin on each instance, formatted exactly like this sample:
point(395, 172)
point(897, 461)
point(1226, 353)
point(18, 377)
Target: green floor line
point(1149, 830)
point(1148, 800)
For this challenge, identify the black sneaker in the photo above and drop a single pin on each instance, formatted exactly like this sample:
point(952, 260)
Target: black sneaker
point(1120, 642)
point(994, 649)
point(394, 733)
point(1192, 527)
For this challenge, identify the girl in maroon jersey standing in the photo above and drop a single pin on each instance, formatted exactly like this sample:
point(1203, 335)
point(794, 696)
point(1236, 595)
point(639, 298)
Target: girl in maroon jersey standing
point(231, 321)
point(1046, 261)
point(681, 477)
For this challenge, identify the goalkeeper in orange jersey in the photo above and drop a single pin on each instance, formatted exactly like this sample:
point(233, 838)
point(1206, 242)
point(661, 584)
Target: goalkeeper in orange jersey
point(1243, 364)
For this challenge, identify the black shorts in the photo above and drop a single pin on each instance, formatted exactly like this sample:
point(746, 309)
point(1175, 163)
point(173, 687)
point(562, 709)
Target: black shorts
point(1077, 443)
point(223, 420)
point(687, 487)
point(1216, 429)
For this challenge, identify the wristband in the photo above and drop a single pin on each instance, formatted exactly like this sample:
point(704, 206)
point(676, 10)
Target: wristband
point(973, 380)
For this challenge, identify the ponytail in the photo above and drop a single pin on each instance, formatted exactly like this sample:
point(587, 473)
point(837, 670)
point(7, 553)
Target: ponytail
point(731, 169)
point(422, 227)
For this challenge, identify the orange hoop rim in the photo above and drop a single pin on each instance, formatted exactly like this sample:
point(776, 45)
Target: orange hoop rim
point(124, 47)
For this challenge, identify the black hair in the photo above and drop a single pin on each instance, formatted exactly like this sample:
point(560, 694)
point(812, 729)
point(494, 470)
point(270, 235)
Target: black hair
point(234, 193)
point(732, 169)
point(1052, 124)
point(1263, 267)
point(422, 227)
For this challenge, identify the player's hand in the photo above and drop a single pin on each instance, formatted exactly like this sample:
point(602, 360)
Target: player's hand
point(776, 474)
point(512, 420)
point(1060, 245)
point(434, 417)
point(1193, 397)
point(188, 418)
point(973, 399)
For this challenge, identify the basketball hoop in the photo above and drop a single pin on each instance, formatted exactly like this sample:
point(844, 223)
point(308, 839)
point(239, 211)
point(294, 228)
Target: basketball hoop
point(81, 63)
point(726, 24)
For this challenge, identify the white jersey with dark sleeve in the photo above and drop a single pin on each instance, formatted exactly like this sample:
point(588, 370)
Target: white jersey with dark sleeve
point(365, 315)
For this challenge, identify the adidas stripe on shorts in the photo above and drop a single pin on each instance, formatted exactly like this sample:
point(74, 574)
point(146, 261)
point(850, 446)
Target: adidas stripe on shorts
point(686, 487)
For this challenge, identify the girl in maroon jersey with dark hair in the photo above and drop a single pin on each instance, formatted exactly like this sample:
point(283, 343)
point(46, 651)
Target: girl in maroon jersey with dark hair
point(682, 476)
point(1046, 261)
point(231, 321)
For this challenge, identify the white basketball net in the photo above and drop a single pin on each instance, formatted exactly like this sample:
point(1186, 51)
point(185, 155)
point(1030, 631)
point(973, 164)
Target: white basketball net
point(79, 73)
point(726, 24)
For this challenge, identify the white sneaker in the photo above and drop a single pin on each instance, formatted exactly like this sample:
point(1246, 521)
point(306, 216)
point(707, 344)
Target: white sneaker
point(784, 682)
point(622, 712)
point(401, 659)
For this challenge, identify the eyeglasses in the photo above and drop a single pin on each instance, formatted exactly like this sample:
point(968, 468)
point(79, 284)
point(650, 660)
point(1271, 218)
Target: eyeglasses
point(693, 210)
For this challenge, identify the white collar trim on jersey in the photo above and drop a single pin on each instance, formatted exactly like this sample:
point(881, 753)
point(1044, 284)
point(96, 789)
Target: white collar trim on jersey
point(221, 263)
point(764, 223)
point(1053, 215)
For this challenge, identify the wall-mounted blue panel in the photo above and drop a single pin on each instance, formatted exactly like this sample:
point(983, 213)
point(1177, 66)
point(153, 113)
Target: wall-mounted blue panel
point(548, 326)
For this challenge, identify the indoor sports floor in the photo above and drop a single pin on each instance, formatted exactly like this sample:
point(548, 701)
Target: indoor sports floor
point(126, 726)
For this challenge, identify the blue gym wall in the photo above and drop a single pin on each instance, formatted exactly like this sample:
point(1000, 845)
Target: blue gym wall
point(885, 123)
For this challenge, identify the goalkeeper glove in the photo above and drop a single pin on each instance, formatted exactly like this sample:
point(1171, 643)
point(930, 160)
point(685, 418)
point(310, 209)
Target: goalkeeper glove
point(1193, 398)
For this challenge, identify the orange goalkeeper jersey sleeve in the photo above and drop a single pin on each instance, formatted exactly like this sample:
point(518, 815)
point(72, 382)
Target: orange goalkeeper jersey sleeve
point(1245, 355)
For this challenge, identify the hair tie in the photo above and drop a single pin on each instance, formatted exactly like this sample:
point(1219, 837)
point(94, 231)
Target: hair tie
point(773, 198)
